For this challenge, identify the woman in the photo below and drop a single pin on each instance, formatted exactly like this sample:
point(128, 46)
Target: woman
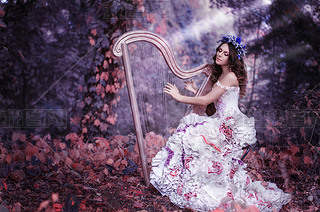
point(200, 166)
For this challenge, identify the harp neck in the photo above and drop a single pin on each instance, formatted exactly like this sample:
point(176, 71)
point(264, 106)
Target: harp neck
point(164, 48)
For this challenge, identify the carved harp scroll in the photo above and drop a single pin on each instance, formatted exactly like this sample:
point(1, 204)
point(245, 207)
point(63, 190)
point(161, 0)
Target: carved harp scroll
point(120, 49)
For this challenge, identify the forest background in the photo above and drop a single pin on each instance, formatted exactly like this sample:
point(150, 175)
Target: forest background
point(67, 139)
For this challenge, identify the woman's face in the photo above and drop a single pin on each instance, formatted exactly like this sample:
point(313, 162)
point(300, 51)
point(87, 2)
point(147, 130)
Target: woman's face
point(222, 57)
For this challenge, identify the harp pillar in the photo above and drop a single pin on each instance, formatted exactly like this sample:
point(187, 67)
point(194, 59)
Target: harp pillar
point(135, 111)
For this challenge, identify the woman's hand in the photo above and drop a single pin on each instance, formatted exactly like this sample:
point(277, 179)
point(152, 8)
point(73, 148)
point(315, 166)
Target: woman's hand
point(191, 86)
point(173, 91)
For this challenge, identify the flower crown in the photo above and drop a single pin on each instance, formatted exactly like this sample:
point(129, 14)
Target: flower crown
point(236, 42)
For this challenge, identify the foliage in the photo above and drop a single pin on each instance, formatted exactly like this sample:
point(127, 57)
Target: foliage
point(34, 159)
point(107, 173)
point(105, 78)
point(63, 60)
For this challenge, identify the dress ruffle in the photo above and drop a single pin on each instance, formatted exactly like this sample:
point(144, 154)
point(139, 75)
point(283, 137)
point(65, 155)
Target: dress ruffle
point(200, 165)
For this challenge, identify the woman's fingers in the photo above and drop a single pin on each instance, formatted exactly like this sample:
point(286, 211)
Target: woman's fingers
point(169, 88)
point(169, 85)
point(166, 90)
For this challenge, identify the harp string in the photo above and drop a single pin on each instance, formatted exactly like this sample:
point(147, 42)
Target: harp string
point(159, 112)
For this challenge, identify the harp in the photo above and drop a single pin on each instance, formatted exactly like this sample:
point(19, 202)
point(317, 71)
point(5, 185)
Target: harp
point(120, 49)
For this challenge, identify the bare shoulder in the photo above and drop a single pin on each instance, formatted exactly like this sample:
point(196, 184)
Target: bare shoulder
point(230, 80)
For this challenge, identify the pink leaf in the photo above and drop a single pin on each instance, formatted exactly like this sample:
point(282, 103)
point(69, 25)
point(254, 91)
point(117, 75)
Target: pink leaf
point(94, 32)
point(115, 152)
point(55, 197)
point(15, 136)
point(43, 205)
point(96, 122)
point(62, 145)
point(92, 41)
point(69, 161)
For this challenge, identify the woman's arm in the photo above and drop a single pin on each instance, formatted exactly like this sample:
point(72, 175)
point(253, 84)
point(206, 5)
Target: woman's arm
point(212, 96)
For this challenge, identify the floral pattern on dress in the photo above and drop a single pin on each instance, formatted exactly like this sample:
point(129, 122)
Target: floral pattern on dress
point(216, 168)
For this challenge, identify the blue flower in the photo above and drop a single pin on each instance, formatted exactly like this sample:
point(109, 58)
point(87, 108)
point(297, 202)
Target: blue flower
point(238, 40)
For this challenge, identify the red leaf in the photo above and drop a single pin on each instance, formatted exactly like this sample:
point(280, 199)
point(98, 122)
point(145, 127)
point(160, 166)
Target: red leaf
point(22, 137)
point(82, 206)
point(30, 151)
point(2, 12)
point(138, 204)
point(295, 160)
point(57, 207)
point(294, 149)
point(72, 136)
point(285, 154)
point(5, 185)
point(306, 160)
point(117, 163)
point(78, 167)
point(94, 32)
point(8, 159)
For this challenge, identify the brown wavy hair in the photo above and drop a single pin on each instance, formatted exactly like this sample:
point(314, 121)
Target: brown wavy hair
point(237, 66)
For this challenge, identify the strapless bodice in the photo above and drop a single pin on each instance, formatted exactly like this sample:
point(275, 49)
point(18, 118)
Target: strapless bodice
point(227, 104)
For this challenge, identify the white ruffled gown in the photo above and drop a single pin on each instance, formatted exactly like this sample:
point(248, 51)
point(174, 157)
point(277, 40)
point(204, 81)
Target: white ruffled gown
point(200, 166)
